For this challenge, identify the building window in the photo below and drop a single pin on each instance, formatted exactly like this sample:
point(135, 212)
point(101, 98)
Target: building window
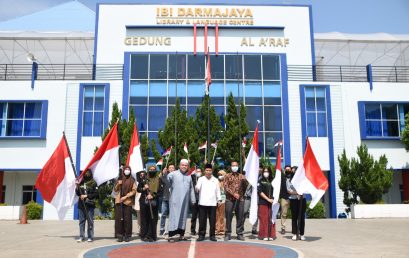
point(29, 194)
point(315, 111)
point(23, 119)
point(382, 119)
point(93, 111)
point(3, 195)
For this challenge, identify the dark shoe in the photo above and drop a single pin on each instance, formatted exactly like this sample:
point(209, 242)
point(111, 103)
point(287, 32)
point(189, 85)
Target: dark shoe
point(254, 232)
point(240, 237)
point(127, 239)
point(120, 239)
point(283, 231)
point(183, 238)
point(213, 239)
point(193, 233)
point(201, 238)
point(227, 238)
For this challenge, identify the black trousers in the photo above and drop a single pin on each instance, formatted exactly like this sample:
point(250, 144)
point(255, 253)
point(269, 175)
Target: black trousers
point(238, 207)
point(195, 213)
point(149, 222)
point(207, 212)
point(123, 220)
point(295, 211)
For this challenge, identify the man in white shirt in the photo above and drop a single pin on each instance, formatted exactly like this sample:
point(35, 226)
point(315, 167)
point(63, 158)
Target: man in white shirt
point(209, 195)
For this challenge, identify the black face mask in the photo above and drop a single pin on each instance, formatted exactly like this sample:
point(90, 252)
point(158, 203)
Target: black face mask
point(288, 174)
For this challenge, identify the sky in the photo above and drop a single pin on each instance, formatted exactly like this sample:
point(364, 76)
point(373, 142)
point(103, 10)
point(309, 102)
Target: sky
point(346, 16)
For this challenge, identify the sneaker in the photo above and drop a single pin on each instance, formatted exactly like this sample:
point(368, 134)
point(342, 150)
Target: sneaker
point(240, 237)
point(254, 232)
point(212, 238)
point(265, 239)
point(120, 239)
point(302, 238)
point(294, 237)
point(227, 238)
point(201, 238)
point(193, 233)
point(79, 240)
point(89, 240)
point(283, 231)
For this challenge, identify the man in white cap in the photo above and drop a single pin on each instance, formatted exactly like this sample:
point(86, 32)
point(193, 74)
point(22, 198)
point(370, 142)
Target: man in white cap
point(181, 197)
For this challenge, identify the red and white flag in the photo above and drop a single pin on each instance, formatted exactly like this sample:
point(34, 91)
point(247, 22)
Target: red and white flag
point(251, 168)
point(56, 181)
point(208, 77)
point(192, 171)
point(276, 183)
point(309, 179)
point(244, 142)
point(105, 163)
point(167, 152)
point(160, 162)
point(203, 146)
point(134, 159)
point(214, 145)
point(185, 148)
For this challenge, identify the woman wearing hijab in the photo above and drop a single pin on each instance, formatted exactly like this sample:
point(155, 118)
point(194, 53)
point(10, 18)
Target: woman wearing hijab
point(267, 229)
point(125, 189)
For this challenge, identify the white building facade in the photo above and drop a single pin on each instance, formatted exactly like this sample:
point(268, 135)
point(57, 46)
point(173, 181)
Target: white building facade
point(146, 55)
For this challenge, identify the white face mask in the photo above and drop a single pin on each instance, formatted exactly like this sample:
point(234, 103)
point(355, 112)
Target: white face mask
point(198, 174)
point(266, 174)
point(221, 177)
point(127, 172)
point(234, 169)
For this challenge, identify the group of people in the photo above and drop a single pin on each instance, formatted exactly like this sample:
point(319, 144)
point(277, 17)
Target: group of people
point(213, 200)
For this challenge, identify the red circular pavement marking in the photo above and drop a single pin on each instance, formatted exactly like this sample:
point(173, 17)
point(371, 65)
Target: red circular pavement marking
point(180, 250)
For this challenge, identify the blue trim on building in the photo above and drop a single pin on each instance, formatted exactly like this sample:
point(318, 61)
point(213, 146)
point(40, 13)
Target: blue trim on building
point(126, 78)
point(44, 119)
point(96, 34)
point(332, 182)
point(312, 38)
point(369, 76)
point(39, 198)
point(34, 71)
point(21, 169)
point(285, 106)
point(361, 114)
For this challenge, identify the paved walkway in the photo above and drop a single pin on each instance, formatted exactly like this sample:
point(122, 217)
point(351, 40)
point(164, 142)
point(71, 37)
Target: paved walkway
point(327, 238)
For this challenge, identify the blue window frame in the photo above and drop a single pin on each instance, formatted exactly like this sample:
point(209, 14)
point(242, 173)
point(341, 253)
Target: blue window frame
point(95, 106)
point(26, 119)
point(315, 111)
point(382, 120)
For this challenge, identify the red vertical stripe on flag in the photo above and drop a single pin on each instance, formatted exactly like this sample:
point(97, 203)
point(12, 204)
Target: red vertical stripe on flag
point(205, 39)
point(255, 140)
point(194, 38)
point(217, 39)
point(312, 169)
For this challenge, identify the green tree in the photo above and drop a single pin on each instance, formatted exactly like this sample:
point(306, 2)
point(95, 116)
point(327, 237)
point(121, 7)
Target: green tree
point(364, 178)
point(144, 147)
point(155, 152)
point(231, 141)
point(405, 133)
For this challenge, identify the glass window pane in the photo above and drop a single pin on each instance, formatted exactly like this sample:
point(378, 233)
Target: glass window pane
point(322, 124)
point(139, 66)
point(309, 92)
point(15, 110)
point(14, 128)
point(254, 113)
point(272, 93)
point(321, 105)
point(87, 124)
point(372, 111)
point(33, 110)
point(271, 67)
point(191, 110)
point(272, 119)
point(2, 110)
point(234, 67)
point(89, 91)
point(390, 128)
point(88, 103)
point(158, 66)
point(32, 127)
point(373, 128)
point(99, 103)
point(155, 137)
point(195, 92)
point(271, 140)
point(157, 92)
point(196, 67)
point(253, 93)
point(310, 104)
point(141, 116)
point(181, 92)
point(217, 67)
point(157, 117)
point(232, 87)
point(389, 111)
point(98, 123)
point(138, 92)
point(320, 92)
point(3, 127)
point(216, 92)
point(252, 67)
point(311, 124)
point(177, 65)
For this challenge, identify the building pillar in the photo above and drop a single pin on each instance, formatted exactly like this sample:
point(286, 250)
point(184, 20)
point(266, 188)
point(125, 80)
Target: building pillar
point(1, 186)
point(405, 181)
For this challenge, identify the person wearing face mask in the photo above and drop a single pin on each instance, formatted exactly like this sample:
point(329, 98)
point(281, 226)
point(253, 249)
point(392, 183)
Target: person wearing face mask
point(221, 206)
point(235, 185)
point(125, 189)
point(284, 195)
point(148, 187)
point(87, 191)
point(195, 206)
point(267, 230)
point(182, 195)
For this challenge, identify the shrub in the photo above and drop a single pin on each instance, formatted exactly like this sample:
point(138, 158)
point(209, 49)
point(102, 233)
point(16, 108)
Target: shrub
point(318, 212)
point(34, 210)
point(3, 204)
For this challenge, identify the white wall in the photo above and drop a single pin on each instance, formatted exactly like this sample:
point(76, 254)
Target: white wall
point(14, 182)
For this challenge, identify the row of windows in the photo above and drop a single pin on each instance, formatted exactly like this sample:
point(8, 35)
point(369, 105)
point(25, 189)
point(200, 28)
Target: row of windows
point(29, 193)
point(316, 111)
point(20, 119)
point(182, 66)
point(93, 114)
point(383, 119)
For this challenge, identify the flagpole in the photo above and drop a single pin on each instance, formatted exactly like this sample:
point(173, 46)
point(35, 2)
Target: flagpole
point(176, 113)
point(208, 107)
point(238, 97)
point(214, 154)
